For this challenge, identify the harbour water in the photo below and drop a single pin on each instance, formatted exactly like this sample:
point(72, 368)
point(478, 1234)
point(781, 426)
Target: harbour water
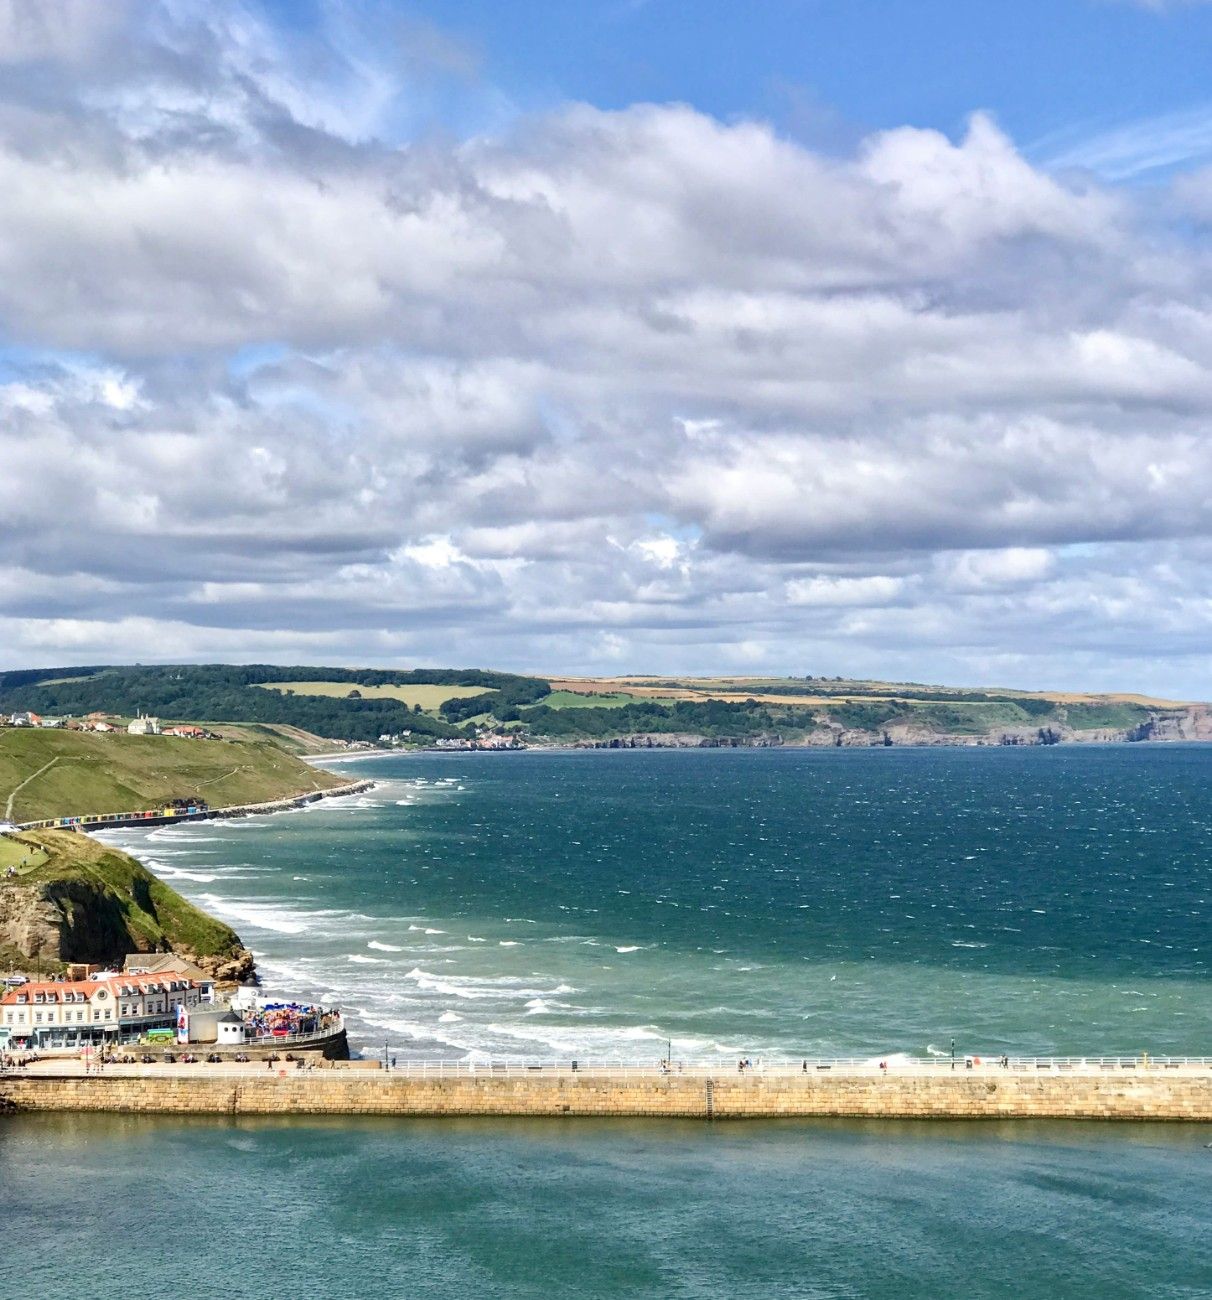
point(459, 1208)
point(751, 903)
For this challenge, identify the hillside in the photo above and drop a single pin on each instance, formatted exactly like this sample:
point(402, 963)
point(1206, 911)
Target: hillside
point(338, 703)
point(841, 712)
point(296, 708)
point(56, 773)
point(77, 900)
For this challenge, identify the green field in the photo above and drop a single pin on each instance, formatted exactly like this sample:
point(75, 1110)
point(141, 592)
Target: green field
point(45, 773)
point(17, 853)
point(610, 700)
point(1110, 714)
point(427, 696)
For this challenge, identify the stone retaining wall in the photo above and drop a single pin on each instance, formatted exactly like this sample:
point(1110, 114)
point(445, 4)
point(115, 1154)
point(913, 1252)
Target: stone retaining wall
point(1138, 1096)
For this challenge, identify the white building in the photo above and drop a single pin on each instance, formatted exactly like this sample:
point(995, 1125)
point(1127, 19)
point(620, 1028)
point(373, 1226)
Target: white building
point(107, 1008)
point(144, 726)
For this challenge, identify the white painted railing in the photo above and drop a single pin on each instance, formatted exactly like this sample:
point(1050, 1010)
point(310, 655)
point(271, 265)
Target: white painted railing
point(284, 1040)
point(809, 1065)
point(1088, 1066)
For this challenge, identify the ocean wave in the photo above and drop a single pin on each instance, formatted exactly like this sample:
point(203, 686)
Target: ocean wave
point(265, 916)
point(178, 835)
point(383, 947)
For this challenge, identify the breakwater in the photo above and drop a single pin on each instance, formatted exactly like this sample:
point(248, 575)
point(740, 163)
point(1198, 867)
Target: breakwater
point(1135, 1093)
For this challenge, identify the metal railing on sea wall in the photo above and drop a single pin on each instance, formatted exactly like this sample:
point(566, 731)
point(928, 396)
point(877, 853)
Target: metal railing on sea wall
point(993, 1065)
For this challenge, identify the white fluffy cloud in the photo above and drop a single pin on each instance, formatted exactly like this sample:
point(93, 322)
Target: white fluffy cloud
point(632, 389)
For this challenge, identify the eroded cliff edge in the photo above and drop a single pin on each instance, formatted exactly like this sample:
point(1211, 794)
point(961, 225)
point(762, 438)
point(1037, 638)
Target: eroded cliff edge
point(74, 899)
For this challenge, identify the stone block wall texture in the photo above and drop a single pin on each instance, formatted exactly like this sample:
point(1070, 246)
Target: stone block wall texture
point(1136, 1096)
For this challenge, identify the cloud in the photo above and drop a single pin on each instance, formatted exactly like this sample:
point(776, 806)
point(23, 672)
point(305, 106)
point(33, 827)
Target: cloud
point(1162, 6)
point(66, 31)
point(1137, 149)
point(595, 388)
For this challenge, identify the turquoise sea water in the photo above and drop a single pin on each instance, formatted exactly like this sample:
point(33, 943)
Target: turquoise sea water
point(754, 903)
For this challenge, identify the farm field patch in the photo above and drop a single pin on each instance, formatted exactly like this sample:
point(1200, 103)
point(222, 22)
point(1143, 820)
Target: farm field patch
point(427, 696)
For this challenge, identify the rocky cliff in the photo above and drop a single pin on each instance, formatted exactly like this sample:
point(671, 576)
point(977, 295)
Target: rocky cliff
point(81, 901)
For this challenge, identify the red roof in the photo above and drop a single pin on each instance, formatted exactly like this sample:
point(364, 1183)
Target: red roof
point(116, 985)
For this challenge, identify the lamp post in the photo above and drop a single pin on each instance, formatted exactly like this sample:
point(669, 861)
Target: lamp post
point(953, 1053)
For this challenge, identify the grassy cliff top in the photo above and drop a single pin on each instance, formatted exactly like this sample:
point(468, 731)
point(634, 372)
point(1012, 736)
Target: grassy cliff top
point(53, 773)
point(132, 910)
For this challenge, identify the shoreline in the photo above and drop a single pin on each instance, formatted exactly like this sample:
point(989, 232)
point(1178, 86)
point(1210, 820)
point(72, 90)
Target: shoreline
point(693, 743)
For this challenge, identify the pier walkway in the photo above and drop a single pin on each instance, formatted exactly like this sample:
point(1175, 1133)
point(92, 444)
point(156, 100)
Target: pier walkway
point(1138, 1088)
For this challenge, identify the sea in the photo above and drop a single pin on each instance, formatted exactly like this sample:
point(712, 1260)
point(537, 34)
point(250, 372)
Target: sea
point(715, 904)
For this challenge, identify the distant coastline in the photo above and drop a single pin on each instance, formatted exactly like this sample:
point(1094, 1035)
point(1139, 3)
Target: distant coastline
point(322, 711)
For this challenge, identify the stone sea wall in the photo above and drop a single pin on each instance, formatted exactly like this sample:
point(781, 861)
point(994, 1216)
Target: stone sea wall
point(1139, 1095)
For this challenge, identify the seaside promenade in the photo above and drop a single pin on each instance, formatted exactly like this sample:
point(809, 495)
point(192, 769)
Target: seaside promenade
point(168, 816)
point(1087, 1088)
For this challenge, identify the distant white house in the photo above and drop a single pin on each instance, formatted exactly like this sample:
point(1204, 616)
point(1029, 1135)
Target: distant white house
point(143, 726)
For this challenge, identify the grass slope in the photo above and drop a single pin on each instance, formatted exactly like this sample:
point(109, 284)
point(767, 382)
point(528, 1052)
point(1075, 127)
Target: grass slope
point(129, 909)
point(67, 773)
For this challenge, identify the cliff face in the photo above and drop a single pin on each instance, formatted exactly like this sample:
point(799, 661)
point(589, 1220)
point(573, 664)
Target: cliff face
point(87, 903)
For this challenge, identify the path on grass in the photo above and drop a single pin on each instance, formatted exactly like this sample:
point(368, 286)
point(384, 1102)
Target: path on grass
point(8, 807)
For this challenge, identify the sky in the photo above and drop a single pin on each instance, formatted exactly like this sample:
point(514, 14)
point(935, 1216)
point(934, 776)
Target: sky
point(834, 337)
